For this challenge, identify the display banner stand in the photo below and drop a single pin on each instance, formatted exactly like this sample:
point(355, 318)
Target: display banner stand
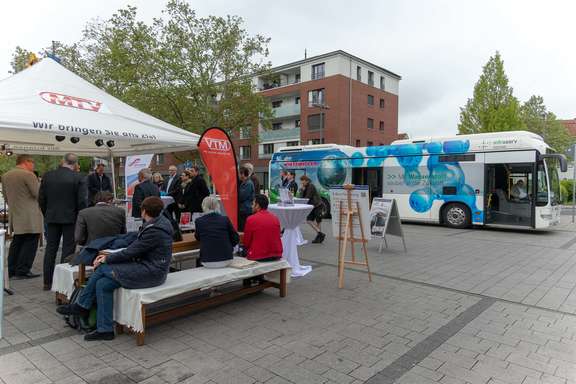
point(348, 214)
point(385, 220)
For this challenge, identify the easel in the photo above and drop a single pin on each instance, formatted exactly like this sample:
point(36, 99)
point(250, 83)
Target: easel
point(346, 217)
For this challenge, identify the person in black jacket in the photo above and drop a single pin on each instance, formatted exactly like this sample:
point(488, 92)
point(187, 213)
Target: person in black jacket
point(98, 182)
point(216, 234)
point(172, 188)
point(62, 195)
point(314, 218)
point(185, 196)
point(143, 264)
point(143, 190)
point(199, 190)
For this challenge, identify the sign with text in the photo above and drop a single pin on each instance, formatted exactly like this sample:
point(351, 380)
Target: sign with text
point(385, 219)
point(217, 153)
point(359, 196)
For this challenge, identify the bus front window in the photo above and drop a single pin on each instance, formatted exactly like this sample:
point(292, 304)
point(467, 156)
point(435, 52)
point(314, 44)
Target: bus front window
point(552, 169)
point(542, 187)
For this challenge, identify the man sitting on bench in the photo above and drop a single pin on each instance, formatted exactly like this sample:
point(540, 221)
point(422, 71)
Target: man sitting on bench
point(262, 238)
point(143, 264)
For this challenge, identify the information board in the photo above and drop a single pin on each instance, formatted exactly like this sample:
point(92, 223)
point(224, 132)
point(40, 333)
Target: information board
point(385, 219)
point(339, 198)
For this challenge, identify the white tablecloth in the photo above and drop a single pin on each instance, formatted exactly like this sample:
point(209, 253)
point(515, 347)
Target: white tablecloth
point(64, 277)
point(290, 218)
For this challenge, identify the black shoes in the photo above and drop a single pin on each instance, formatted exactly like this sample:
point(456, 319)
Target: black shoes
point(27, 275)
point(72, 309)
point(94, 336)
point(319, 238)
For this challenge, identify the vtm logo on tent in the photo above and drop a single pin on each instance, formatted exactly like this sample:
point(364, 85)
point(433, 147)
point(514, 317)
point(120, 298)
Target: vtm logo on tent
point(71, 101)
point(218, 144)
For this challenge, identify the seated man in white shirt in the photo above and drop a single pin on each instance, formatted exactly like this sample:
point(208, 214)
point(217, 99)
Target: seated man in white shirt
point(518, 191)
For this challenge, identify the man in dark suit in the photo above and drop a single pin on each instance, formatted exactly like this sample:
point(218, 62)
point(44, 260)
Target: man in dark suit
point(62, 195)
point(98, 182)
point(172, 188)
point(199, 189)
point(143, 190)
point(101, 220)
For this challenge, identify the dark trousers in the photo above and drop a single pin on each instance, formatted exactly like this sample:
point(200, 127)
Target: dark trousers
point(175, 211)
point(242, 221)
point(100, 287)
point(55, 232)
point(22, 253)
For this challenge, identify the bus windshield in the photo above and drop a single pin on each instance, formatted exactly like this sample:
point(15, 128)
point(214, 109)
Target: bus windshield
point(552, 169)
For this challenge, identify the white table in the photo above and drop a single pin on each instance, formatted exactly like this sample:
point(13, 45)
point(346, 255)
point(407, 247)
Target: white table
point(290, 218)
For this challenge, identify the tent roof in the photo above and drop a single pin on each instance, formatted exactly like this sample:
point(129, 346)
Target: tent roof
point(47, 100)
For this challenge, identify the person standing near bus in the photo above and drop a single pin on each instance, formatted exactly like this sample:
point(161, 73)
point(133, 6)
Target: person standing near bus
point(314, 218)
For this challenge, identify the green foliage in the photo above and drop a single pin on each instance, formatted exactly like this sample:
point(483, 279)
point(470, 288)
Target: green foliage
point(6, 163)
point(538, 119)
point(187, 70)
point(493, 107)
point(19, 60)
point(566, 190)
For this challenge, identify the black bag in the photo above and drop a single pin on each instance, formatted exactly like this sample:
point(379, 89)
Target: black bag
point(177, 235)
point(82, 324)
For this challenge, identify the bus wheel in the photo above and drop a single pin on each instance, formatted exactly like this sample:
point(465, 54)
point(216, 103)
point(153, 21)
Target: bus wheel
point(325, 208)
point(456, 215)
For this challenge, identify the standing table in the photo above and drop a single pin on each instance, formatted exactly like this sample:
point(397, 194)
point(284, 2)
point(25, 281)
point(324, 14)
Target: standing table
point(291, 216)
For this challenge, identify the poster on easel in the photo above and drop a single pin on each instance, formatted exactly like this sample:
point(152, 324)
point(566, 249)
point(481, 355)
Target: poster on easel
point(339, 197)
point(385, 220)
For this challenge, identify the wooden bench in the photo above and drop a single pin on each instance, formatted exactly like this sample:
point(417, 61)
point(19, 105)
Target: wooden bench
point(187, 291)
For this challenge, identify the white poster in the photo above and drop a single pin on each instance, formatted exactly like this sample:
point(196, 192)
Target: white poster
point(359, 198)
point(379, 215)
point(132, 166)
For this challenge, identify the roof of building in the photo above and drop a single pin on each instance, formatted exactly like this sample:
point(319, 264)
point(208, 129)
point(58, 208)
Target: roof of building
point(334, 53)
point(570, 126)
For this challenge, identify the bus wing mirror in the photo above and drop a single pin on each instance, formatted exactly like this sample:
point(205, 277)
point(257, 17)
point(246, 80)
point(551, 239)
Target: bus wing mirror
point(561, 160)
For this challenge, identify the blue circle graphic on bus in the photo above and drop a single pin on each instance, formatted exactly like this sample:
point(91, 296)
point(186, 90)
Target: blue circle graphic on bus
point(357, 159)
point(332, 171)
point(420, 200)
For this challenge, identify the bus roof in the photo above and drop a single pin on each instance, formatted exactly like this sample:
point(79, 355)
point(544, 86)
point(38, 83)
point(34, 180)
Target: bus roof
point(479, 142)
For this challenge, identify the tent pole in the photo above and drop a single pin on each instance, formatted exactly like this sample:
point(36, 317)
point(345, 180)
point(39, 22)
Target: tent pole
point(113, 174)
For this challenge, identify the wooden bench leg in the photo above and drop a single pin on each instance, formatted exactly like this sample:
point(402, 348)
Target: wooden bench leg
point(283, 282)
point(140, 339)
point(140, 335)
point(119, 329)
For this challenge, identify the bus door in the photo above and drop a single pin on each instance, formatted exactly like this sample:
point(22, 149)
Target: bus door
point(510, 195)
point(370, 176)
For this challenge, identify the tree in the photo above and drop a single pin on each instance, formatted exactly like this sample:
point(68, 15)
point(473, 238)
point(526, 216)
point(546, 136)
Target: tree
point(493, 107)
point(20, 58)
point(187, 70)
point(536, 118)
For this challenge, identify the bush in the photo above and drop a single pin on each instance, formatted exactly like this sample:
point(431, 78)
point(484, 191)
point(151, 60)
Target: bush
point(566, 190)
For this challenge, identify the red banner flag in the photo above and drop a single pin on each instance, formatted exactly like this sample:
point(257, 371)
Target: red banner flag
point(217, 153)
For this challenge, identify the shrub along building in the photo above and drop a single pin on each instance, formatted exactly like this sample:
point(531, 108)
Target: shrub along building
point(331, 98)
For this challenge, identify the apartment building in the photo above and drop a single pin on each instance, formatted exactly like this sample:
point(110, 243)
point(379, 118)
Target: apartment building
point(330, 98)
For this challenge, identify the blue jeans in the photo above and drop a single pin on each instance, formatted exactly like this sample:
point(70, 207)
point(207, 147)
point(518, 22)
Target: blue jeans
point(100, 287)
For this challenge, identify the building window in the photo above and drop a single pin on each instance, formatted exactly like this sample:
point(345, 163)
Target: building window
point(297, 101)
point(292, 143)
point(359, 73)
point(370, 123)
point(382, 103)
point(297, 123)
point(318, 71)
point(381, 144)
point(160, 159)
point(370, 100)
point(276, 126)
point(381, 125)
point(369, 144)
point(268, 149)
point(314, 122)
point(297, 78)
point(316, 141)
point(382, 83)
point(277, 104)
point(316, 96)
point(371, 78)
point(358, 143)
point(245, 132)
point(245, 152)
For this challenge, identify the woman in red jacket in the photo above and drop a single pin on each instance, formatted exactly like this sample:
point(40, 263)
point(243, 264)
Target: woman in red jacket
point(262, 238)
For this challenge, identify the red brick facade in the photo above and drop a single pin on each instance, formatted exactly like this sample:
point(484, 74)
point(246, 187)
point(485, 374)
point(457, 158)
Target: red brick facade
point(570, 126)
point(337, 119)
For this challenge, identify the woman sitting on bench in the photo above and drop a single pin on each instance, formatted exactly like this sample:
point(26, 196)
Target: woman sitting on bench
point(143, 264)
point(216, 235)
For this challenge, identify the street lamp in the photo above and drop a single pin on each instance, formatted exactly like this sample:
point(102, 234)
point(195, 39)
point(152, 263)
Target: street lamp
point(322, 107)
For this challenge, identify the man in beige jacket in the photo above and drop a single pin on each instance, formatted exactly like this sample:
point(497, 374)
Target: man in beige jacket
point(20, 188)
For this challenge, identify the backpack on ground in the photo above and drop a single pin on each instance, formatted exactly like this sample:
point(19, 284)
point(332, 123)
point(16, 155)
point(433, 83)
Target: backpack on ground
point(82, 324)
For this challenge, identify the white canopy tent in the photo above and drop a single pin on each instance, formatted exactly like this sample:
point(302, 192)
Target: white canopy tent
point(47, 109)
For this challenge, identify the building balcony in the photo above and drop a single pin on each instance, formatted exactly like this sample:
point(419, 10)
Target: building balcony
point(280, 135)
point(286, 110)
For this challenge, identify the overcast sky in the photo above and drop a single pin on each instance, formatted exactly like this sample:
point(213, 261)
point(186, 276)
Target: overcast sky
point(438, 47)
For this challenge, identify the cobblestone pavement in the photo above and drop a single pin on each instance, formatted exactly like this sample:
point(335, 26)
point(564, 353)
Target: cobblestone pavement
point(461, 306)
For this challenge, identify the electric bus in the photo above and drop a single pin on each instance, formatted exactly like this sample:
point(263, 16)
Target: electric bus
point(506, 179)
